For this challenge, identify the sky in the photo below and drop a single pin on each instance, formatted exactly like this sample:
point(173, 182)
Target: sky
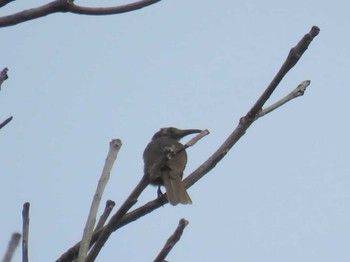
point(76, 82)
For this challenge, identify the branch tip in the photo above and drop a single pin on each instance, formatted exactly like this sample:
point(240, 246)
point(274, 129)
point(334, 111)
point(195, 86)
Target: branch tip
point(172, 240)
point(116, 142)
point(15, 238)
point(315, 30)
point(6, 121)
point(196, 138)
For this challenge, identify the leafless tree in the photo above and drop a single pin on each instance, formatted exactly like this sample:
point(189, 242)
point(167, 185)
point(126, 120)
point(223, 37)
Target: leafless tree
point(96, 236)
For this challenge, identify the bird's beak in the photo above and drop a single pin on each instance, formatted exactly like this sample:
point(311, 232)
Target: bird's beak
point(186, 132)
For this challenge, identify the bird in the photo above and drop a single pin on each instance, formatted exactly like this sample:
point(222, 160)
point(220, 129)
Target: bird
point(164, 163)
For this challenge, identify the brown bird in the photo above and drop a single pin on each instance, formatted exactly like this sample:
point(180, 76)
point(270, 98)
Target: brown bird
point(164, 163)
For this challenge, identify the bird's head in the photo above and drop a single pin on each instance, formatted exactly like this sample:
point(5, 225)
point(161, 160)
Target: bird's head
point(174, 133)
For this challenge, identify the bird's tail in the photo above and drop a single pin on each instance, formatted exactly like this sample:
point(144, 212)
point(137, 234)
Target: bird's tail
point(176, 192)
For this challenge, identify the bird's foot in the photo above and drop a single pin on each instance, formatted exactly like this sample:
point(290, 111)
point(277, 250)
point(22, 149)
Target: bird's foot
point(159, 192)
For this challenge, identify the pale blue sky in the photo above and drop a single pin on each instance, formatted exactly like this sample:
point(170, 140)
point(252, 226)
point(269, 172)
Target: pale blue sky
point(76, 82)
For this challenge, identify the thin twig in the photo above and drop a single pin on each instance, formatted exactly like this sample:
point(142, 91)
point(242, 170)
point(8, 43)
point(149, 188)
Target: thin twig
point(172, 240)
point(298, 91)
point(103, 218)
point(195, 139)
point(11, 247)
point(64, 6)
point(5, 122)
point(3, 76)
point(114, 147)
point(25, 231)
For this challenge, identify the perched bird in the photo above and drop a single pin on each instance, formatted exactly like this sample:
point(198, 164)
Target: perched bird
point(165, 161)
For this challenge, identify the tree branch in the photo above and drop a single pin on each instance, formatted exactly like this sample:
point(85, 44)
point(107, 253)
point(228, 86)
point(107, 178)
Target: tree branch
point(293, 57)
point(5, 2)
point(25, 231)
point(11, 247)
point(245, 122)
point(3, 76)
point(5, 122)
point(63, 6)
point(81, 10)
point(109, 228)
point(195, 139)
point(103, 218)
point(114, 147)
point(298, 91)
point(171, 242)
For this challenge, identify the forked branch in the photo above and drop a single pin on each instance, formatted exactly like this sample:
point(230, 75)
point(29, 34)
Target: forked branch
point(132, 199)
point(100, 237)
point(245, 122)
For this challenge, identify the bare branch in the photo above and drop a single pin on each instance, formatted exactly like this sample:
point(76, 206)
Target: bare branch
point(171, 242)
point(298, 91)
point(25, 231)
point(12, 247)
point(108, 209)
point(64, 6)
point(293, 57)
point(81, 10)
point(5, 122)
point(5, 2)
point(194, 140)
point(33, 13)
point(245, 122)
point(107, 230)
point(114, 147)
point(3, 76)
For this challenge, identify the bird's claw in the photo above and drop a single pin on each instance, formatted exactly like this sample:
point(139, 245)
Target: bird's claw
point(159, 192)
